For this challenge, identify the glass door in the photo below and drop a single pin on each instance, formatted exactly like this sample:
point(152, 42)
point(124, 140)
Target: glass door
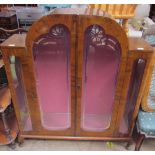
point(99, 76)
point(53, 59)
point(100, 68)
point(53, 82)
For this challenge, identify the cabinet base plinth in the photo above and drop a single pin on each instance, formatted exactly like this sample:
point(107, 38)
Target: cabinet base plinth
point(26, 136)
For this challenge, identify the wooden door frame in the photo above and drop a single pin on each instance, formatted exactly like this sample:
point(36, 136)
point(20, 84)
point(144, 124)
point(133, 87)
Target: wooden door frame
point(115, 30)
point(39, 28)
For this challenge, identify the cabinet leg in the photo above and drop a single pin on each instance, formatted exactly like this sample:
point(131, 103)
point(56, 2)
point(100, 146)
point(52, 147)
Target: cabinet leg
point(20, 140)
point(128, 145)
point(12, 145)
point(6, 127)
point(139, 141)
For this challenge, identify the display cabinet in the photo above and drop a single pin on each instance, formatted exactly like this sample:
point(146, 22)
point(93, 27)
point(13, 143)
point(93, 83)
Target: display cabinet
point(77, 76)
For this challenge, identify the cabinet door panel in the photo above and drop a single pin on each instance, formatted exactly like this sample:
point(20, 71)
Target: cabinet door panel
point(100, 68)
point(52, 72)
point(53, 55)
point(99, 73)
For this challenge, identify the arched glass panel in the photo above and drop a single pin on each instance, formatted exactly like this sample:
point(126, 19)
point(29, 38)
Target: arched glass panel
point(52, 71)
point(100, 68)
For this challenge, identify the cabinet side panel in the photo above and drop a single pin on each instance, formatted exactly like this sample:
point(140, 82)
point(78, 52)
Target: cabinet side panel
point(15, 67)
point(133, 91)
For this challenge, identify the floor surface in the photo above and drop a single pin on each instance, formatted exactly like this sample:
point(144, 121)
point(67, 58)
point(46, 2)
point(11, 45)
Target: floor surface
point(61, 145)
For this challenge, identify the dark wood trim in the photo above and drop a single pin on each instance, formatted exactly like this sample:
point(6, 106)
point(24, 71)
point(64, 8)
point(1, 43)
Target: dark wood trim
point(139, 141)
point(39, 136)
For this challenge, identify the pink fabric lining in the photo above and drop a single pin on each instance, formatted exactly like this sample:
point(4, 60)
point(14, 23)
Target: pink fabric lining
point(52, 67)
point(99, 89)
point(53, 83)
point(100, 68)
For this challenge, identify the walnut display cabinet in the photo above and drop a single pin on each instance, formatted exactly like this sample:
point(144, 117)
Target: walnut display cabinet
point(76, 76)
